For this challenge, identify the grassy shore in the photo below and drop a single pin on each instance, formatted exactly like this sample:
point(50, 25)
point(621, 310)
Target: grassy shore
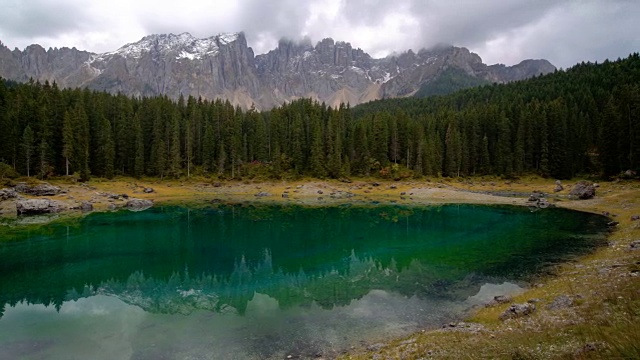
point(600, 319)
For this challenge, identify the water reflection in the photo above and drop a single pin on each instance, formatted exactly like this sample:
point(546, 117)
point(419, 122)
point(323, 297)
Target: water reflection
point(245, 281)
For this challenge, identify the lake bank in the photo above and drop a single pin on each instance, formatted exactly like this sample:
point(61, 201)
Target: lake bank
point(112, 194)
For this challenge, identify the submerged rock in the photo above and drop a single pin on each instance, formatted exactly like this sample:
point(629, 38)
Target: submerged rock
point(138, 204)
point(39, 206)
point(342, 195)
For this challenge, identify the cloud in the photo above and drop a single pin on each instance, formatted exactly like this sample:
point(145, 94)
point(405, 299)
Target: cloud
point(565, 32)
point(39, 18)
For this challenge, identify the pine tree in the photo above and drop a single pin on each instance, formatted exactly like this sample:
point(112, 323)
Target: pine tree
point(68, 143)
point(28, 147)
point(173, 166)
point(138, 167)
point(208, 149)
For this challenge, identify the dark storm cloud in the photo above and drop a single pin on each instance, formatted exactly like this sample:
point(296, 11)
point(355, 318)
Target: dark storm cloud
point(35, 18)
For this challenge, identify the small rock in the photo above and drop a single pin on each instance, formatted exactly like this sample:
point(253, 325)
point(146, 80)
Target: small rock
point(148, 190)
point(558, 188)
point(635, 217)
point(86, 206)
point(502, 299)
point(561, 302)
point(285, 195)
point(320, 192)
point(124, 196)
point(393, 187)
point(612, 223)
point(376, 347)
point(375, 184)
point(403, 193)
point(262, 194)
point(587, 348)
point(536, 195)
point(518, 310)
point(635, 245)
point(217, 184)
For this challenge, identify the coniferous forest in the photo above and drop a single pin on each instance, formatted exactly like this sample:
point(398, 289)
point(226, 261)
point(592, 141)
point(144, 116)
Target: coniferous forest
point(581, 121)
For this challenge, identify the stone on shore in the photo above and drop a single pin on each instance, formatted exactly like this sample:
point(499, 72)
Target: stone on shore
point(38, 190)
point(583, 190)
point(39, 206)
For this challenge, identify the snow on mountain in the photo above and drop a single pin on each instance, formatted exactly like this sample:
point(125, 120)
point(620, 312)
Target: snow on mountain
point(185, 45)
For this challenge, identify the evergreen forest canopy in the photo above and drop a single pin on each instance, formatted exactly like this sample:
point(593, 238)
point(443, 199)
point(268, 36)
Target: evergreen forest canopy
point(585, 120)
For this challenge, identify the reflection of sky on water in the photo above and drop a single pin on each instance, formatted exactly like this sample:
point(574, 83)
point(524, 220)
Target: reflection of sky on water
point(104, 327)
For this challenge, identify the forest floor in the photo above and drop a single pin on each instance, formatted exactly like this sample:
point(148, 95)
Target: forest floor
point(587, 308)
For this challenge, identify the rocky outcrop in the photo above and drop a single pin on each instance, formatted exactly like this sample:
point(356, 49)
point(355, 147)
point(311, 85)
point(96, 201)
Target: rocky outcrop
point(38, 190)
point(224, 67)
point(6, 194)
point(39, 206)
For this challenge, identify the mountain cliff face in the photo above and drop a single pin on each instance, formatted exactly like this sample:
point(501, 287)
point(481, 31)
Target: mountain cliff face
point(223, 66)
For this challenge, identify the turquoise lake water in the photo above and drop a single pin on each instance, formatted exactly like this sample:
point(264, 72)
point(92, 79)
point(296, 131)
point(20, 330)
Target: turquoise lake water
point(249, 281)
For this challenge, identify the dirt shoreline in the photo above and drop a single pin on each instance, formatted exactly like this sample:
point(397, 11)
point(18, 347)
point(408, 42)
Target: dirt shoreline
point(313, 192)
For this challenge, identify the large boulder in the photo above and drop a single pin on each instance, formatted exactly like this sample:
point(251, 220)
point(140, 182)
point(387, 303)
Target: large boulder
point(38, 190)
point(583, 190)
point(39, 206)
point(138, 204)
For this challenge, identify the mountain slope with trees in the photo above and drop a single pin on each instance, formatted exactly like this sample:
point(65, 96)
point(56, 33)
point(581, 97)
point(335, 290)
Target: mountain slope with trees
point(582, 120)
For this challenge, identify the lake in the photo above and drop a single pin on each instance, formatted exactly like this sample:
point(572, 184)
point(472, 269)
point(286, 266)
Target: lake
point(247, 281)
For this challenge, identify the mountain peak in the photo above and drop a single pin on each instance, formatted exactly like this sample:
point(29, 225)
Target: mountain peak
point(185, 45)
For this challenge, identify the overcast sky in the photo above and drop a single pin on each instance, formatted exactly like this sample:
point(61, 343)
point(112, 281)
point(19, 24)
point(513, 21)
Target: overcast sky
point(500, 31)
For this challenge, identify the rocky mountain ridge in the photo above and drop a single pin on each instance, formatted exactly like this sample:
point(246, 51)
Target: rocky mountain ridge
point(223, 66)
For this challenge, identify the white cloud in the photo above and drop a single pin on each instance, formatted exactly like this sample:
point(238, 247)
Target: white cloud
point(564, 32)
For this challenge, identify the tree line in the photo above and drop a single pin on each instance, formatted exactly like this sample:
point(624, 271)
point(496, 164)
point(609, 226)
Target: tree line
point(583, 120)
